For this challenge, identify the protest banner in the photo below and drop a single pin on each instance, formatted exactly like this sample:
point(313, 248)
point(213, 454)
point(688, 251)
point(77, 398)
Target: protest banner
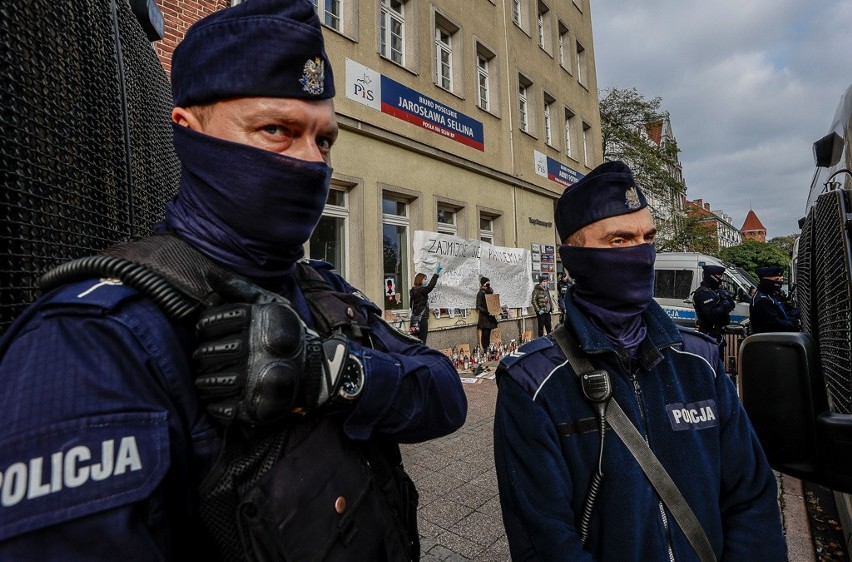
point(464, 261)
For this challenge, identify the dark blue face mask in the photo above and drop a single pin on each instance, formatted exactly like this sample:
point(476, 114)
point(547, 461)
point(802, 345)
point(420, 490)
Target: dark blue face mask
point(249, 210)
point(770, 286)
point(613, 286)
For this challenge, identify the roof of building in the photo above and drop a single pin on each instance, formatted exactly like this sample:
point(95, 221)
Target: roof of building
point(752, 222)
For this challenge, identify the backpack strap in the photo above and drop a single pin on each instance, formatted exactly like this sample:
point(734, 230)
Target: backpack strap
point(333, 310)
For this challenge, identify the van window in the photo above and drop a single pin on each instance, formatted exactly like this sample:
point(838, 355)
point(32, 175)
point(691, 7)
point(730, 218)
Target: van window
point(672, 283)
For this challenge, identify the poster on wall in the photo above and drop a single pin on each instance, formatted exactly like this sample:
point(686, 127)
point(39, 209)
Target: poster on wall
point(464, 261)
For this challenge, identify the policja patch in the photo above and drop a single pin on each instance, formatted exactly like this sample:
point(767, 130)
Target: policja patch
point(697, 415)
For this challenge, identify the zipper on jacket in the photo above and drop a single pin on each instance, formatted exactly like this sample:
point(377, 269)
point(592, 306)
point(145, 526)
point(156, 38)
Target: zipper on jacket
point(637, 392)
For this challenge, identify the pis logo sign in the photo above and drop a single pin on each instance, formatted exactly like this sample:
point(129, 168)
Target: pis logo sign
point(363, 85)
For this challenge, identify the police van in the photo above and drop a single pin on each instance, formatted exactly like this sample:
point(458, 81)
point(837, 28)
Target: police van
point(678, 274)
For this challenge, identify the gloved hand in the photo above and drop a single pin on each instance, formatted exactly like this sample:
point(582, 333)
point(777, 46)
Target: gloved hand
point(257, 362)
point(540, 312)
point(439, 268)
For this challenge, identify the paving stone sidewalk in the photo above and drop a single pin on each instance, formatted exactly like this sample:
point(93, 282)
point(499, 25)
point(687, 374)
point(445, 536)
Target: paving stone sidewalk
point(459, 514)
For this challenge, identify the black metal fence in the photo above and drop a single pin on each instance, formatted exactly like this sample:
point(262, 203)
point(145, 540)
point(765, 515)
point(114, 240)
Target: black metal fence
point(85, 141)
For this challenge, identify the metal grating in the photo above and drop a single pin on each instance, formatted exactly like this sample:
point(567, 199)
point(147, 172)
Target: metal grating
point(833, 295)
point(78, 171)
point(804, 281)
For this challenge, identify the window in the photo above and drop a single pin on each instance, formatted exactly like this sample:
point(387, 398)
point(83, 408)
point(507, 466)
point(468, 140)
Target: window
point(482, 81)
point(328, 241)
point(542, 23)
point(524, 85)
point(587, 130)
point(329, 13)
point(672, 283)
point(446, 220)
point(582, 73)
point(395, 253)
point(548, 120)
point(392, 29)
point(563, 46)
point(486, 77)
point(516, 12)
point(569, 132)
point(444, 58)
point(486, 228)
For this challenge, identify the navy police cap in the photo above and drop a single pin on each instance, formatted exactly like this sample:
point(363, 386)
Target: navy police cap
point(259, 48)
point(714, 269)
point(770, 271)
point(607, 191)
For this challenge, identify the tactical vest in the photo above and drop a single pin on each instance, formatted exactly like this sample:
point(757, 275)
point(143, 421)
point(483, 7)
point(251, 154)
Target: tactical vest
point(302, 492)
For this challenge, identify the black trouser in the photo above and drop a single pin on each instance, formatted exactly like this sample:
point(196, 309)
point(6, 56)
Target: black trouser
point(424, 326)
point(485, 340)
point(543, 322)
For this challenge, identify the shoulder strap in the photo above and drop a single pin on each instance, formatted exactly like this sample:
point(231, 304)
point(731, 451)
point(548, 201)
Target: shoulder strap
point(651, 466)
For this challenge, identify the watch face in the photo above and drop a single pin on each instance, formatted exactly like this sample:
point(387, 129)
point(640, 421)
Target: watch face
point(353, 379)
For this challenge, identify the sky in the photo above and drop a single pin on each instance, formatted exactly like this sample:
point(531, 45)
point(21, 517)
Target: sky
point(749, 86)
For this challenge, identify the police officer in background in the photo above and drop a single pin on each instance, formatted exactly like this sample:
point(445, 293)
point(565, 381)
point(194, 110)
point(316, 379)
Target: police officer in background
point(562, 285)
point(547, 444)
point(713, 304)
point(768, 310)
point(105, 438)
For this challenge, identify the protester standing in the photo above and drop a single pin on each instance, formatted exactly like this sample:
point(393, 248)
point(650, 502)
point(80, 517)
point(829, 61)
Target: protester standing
point(419, 297)
point(543, 306)
point(487, 321)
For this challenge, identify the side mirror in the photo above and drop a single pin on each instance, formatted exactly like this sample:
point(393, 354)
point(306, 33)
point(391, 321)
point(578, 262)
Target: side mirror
point(784, 394)
point(828, 149)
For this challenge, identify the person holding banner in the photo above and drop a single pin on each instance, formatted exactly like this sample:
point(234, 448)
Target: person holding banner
point(419, 295)
point(487, 321)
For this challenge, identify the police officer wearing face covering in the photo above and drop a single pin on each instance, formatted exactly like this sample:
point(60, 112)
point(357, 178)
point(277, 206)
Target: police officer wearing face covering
point(713, 304)
point(109, 427)
point(547, 444)
point(768, 311)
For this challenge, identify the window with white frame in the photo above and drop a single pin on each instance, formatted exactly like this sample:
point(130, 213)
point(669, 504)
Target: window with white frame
point(564, 46)
point(486, 227)
point(392, 30)
point(444, 58)
point(516, 13)
point(486, 77)
point(524, 117)
point(328, 241)
point(446, 219)
point(582, 71)
point(570, 118)
point(395, 253)
point(329, 13)
point(548, 118)
point(543, 26)
point(587, 131)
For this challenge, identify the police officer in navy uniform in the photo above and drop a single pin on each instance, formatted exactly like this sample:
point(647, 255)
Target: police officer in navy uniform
point(104, 439)
point(669, 381)
point(713, 304)
point(768, 310)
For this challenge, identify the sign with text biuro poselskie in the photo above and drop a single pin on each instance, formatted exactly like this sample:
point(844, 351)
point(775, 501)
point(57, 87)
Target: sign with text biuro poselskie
point(368, 87)
point(547, 167)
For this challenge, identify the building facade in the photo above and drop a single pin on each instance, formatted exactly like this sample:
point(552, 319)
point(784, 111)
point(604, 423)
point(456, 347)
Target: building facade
point(718, 223)
point(752, 228)
point(466, 118)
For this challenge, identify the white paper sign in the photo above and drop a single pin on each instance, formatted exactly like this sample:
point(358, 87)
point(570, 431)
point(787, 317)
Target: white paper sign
point(464, 261)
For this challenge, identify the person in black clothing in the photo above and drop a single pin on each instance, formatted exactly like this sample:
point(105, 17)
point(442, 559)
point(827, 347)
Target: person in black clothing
point(487, 321)
point(713, 304)
point(562, 285)
point(419, 295)
point(767, 310)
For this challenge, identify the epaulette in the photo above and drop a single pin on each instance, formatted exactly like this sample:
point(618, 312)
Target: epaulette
point(526, 350)
point(106, 294)
point(693, 332)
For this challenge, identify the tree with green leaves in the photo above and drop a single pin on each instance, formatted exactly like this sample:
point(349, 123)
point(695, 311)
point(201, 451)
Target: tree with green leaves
point(752, 254)
point(785, 243)
point(626, 119)
point(690, 233)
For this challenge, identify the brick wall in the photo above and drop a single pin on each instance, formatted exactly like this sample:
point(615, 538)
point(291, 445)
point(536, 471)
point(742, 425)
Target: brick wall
point(179, 15)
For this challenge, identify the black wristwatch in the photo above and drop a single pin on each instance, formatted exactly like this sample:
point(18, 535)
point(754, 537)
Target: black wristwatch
point(352, 378)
